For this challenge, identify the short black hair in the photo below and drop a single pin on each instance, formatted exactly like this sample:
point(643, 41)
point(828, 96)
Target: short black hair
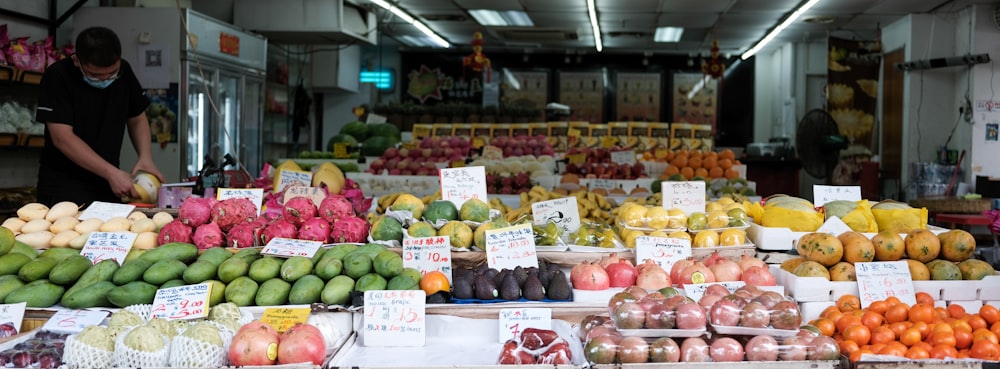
point(98, 46)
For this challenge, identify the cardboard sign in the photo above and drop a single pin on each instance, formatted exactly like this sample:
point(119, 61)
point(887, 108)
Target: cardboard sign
point(283, 318)
point(182, 302)
point(256, 195)
point(13, 314)
point(288, 178)
point(515, 321)
point(834, 226)
point(563, 212)
point(315, 194)
point(108, 245)
point(460, 184)
point(824, 194)
point(623, 157)
point(73, 321)
point(394, 318)
point(511, 247)
point(289, 247)
point(106, 210)
point(491, 152)
point(688, 196)
point(879, 280)
point(662, 250)
point(428, 254)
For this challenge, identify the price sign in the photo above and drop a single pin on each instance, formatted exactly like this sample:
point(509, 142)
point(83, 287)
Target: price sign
point(428, 254)
point(578, 158)
point(563, 212)
point(491, 152)
point(256, 195)
point(460, 184)
point(661, 153)
point(457, 164)
point(515, 321)
point(608, 142)
point(340, 150)
point(373, 118)
point(478, 142)
point(289, 247)
point(394, 318)
point(834, 226)
point(607, 184)
point(108, 245)
point(106, 210)
point(688, 196)
point(182, 302)
point(880, 280)
point(695, 291)
point(73, 321)
point(283, 318)
point(315, 194)
point(661, 250)
point(623, 157)
point(288, 178)
point(12, 314)
point(511, 247)
point(824, 194)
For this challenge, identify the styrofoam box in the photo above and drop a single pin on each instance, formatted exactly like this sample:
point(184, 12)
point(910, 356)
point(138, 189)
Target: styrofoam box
point(970, 306)
point(811, 310)
point(989, 288)
point(772, 238)
point(805, 289)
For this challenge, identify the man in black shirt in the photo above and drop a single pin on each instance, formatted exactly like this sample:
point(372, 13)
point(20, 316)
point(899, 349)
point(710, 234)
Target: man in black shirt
point(86, 102)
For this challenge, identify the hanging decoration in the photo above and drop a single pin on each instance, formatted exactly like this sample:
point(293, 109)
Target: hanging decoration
point(714, 67)
point(477, 61)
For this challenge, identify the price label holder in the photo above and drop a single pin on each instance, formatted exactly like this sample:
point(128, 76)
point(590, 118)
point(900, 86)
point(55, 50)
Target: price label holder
point(578, 158)
point(834, 226)
point(511, 247)
point(623, 157)
point(289, 247)
point(882, 279)
point(460, 184)
point(428, 254)
point(73, 321)
point(373, 118)
point(563, 212)
point(182, 302)
point(491, 152)
point(825, 194)
point(283, 318)
point(573, 136)
point(289, 178)
point(608, 142)
point(13, 314)
point(340, 150)
point(661, 250)
point(457, 164)
point(394, 318)
point(108, 245)
point(256, 195)
point(695, 291)
point(515, 321)
point(688, 196)
point(607, 184)
point(106, 210)
point(315, 194)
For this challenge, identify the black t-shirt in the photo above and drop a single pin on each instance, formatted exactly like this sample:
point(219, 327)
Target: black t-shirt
point(98, 117)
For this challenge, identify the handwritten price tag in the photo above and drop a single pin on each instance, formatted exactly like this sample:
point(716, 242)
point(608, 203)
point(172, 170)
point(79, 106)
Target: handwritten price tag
point(563, 212)
point(511, 247)
point(183, 302)
point(108, 245)
point(289, 247)
point(73, 321)
point(515, 321)
point(491, 152)
point(283, 318)
point(256, 195)
point(288, 178)
point(13, 314)
point(607, 184)
point(623, 157)
point(688, 196)
point(662, 250)
point(106, 210)
point(695, 291)
point(880, 280)
point(428, 254)
point(394, 318)
point(824, 194)
point(461, 184)
point(315, 194)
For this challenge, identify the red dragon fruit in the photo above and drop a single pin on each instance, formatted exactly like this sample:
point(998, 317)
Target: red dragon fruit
point(298, 209)
point(335, 207)
point(350, 229)
point(208, 235)
point(241, 235)
point(175, 231)
point(315, 229)
point(278, 228)
point(195, 211)
point(230, 212)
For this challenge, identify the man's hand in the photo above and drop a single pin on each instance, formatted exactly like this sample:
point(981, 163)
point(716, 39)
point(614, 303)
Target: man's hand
point(121, 184)
point(146, 165)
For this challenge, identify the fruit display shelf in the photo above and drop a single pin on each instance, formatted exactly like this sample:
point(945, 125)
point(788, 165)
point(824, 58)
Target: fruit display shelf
point(815, 289)
point(776, 239)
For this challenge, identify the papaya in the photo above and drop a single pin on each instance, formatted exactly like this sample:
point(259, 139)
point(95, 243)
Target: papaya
point(857, 247)
point(843, 272)
point(811, 268)
point(975, 269)
point(922, 245)
point(789, 264)
point(944, 270)
point(889, 246)
point(918, 270)
point(957, 245)
point(821, 247)
point(410, 203)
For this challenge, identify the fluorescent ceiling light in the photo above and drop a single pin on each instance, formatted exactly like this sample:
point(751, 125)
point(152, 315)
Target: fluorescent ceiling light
point(417, 41)
point(433, 36)
point(487, 17)
point(668, 34)
point(406, 17)
point(774, 32)
point(592, 11)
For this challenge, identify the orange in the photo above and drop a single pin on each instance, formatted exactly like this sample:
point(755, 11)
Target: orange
point(848, 303)
point(847, 320)
point(694, 162)
point(956, 311)
point(883, 335)
point(679, 161)
point(943, 352)
point(924, 298)
point(963, 339)
point(879, 307)
point(671, 170)
point(711, 155)
point(921, 313)
point(985, 350)
point(897, 313)
point(858, 334)
point(825, 326)
point(910, 337)
point(731, 173)
point(687, 172)
point(434, 281)
point(716, 172)
point(701, 172)
point(725, 163)
point(990, 313)
point(709, 162)
point(871, 319)
point(727, 154)
point(916, 353)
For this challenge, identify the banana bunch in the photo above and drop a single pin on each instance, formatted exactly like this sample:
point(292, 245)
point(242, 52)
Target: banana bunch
point(384, 202)
point(427, 200)
point(504, 209)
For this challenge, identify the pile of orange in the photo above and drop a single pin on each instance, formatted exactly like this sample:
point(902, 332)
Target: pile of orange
point(920, 331)
point(697, 163)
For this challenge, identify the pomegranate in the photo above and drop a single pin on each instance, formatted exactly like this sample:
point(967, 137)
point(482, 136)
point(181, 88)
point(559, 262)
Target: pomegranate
point(762, 348)
point(695, 350)
point(629, 315)
point(660, 316)
point(633, 350)
point(690, 316)
point(636, 292)
point(301, 343)
point(755, 315)
point(726, 349)
point(707, 301)
point(620, 298)
point(621, 274)
point(726, 270)
point(675, 270)
point(591, 321)
point(785, 315)
point(695, 274)
point(652, 276)
point(793, 348)
point(748, 261)
point(749, 292)
point(715, 257)
point(724, 313)
point(589, 276)
point(717, 290)
point(823, 348)
point(758, 276)
point(613, 258)
point(255, 343)
point(601, 350)
point(604, 331)
point(769, 299)
point(664, 350)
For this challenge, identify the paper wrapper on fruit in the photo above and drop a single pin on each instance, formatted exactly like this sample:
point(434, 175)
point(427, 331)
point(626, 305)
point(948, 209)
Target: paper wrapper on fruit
point(900, 219)
point(798, 218)
point(857, 215)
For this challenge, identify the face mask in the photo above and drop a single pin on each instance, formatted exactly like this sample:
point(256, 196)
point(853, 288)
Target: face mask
point(98, 83)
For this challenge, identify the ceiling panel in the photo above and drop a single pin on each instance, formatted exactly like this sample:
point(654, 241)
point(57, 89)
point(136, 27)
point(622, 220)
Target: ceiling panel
point(765, 5)
point(553, 5)
point(841, 7)
point(424, 5)
point(560, 20)
point(688, 20)
point(489, 4)
point(628, 21)
point(908, 6)
point(686, 6)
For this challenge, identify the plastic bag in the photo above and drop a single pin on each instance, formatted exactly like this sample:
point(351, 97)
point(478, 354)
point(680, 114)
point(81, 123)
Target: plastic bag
point(899, 217)
point(596, 235)
point(856, 214)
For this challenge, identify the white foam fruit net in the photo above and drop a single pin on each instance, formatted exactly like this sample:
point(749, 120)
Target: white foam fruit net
point(142, 310)
point(127, 357)
point(186, 352)
point(79, 355)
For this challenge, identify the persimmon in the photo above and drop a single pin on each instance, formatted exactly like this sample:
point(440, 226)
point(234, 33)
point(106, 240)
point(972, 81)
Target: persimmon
point(893, 300)
point(847, 320)
point(858, 334)
point(995, 328)
point(871, 319)
point(940, 313)
point(848, 303)
point(916, 353)
point(943, 352)
point(825, 326)
point(899, 327)
point(434, 281)
point(924, 298)
point(985, 350)
point(960, 325)
point(828, 311)
point(923, 328)
point(879, 307)
point(921, 313)
point(984, 334)
point(963, 339)
point(990, 313)
point(897, 313)
point(956, 311)
point(943, 338)
point(910, 337)
point(848, 347)
point(942, 327)
point(882, 335)
point(977, 322)
point(893, 348)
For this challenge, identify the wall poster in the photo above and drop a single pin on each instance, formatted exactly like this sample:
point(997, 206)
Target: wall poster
point(584, 93)
point(695, 99)
point(162, 114)
point(637, 97)
point(524, 89)
point(852, 91)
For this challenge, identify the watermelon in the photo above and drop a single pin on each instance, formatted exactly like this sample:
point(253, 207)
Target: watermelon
point(356, 129)
point(385, 130)
point(341, 138)
point(376, 146)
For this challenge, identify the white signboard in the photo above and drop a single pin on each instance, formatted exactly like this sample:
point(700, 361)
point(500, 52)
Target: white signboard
point(688, 196)
point(460, 184)
point(289, 247)
point(108, 245)
point(428, 254)
point(394, 318)
point(256, 195)
point(106, 210)
point(882, 279)
point(824, 194)
point(662, 250)
point(511, 247)
point(563, 212)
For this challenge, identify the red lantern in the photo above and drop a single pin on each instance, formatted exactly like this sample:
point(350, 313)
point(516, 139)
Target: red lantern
point(477, 61)
point(714, 67)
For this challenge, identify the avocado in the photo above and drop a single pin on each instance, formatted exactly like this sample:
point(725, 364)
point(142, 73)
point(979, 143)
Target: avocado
point(545, 276)
point(463, 287)
point(498, 279)
point(484, 287)
point(491, 273)
point(521, 274)
point(559, 287)
point(510, 290)
point(533, 289)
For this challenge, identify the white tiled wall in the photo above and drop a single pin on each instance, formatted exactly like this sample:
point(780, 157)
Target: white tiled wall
point(18, 168)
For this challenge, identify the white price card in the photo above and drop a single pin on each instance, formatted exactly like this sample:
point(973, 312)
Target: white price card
point(289, 247)
point(511, 247)
point(11, 317)
point(108, 245)
point(106, 210)
point(256, 195)
point(696, 291)
point(394, 318)
point(834, 226)
point(882, 279)
point(515, 321)
point(661, 250)
point(460, 184)
point(688, 196)
point(289, 178)
point(607, 184)
point(623, 157)
point(825, 194)
point(428, 254)
point(373, 118)
point(73, 321)
point(563, 212)
point(182, 302)
point(315, 194)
